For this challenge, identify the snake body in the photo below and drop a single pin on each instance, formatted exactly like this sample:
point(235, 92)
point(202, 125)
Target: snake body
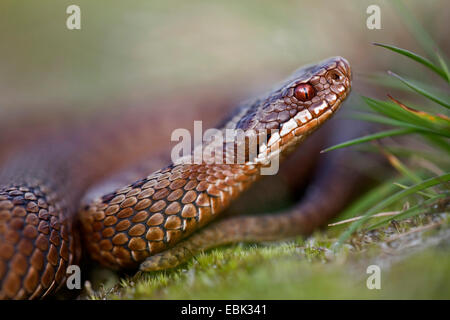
point(161, 219)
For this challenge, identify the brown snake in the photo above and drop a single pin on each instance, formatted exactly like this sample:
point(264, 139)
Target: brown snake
point(148, 222)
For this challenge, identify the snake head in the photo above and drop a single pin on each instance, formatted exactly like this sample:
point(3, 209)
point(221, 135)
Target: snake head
point(297, 107)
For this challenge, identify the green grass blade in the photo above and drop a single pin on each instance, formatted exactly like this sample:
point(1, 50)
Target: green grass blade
point(388, 121)
point(416, 28)
point(444, 66)
point(386, 81)
point(394, 111)
point(434, 155)
point(392, 122)
point(415, 210)
point(400, 167)
point(390, 200)
point(370, 137)
point(422, 60)
point(420, 90)
point(371, 197)
point(403, 169)
point(428, 195)
point(438, 142)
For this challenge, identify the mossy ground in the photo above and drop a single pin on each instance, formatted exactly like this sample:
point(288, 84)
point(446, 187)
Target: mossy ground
point(413, 256)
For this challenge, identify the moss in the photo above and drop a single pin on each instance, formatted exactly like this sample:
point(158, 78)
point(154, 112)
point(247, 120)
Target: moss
point(308, 269)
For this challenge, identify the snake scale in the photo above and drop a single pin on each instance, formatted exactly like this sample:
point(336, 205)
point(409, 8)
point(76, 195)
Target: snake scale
point(163, 218)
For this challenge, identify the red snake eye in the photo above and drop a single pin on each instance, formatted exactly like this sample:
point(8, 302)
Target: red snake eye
point(304, 92)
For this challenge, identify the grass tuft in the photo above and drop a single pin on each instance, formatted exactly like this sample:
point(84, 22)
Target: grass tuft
point(422, 126)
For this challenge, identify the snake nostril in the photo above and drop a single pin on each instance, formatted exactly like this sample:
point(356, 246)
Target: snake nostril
point(335, 76)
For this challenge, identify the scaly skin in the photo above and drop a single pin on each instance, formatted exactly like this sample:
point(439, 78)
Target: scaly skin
point(335, 181)
point(41, 187)
point(153, 214)
point(42, 184)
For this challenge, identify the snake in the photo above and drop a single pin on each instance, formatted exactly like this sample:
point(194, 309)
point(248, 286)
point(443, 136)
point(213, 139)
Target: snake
point(166, 216)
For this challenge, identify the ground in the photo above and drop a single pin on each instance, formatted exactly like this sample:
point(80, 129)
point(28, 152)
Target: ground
point(412, 256)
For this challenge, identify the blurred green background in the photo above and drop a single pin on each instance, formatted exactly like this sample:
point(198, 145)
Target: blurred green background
point(138, 49)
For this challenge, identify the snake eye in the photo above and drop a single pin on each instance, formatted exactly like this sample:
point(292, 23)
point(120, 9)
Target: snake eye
point(304, 92)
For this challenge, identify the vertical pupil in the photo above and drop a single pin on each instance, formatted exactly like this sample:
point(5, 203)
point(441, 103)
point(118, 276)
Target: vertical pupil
point(305, 92)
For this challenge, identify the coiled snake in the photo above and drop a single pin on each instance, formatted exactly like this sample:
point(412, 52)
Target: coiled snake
point(162, 219)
